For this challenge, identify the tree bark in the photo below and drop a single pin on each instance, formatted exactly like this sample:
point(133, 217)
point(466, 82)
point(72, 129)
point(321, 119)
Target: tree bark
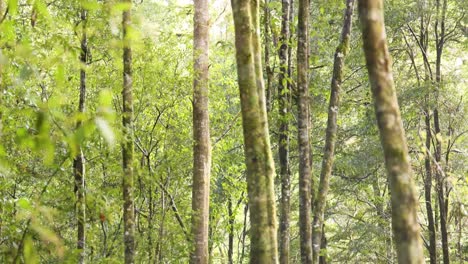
point(259, 160)
point(392, 135)
point(201, 135)
point(268, 69)
point(79, 160)
point(283, 144)
point(423, 42)
point(127, 145)
point(440, 179)
point(330, 140)
point(231, 232)
point(305, 170)
point(428, 190)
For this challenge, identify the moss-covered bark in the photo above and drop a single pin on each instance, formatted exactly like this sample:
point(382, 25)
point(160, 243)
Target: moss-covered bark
point(305, 204)
point(259, 161)
point(127, 144)
point(330, 140)
point(201, 135)
point(392, 135)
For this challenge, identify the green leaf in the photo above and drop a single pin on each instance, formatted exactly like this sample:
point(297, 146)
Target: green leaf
point(13, 6)
point(23, 203)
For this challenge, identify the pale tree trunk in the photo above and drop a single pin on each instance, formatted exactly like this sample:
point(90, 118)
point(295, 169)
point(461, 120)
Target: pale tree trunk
point(392, 134)
point(283, 144)
point(330, 139)
point(259, 160)
point(305, 170)
point(201, 135)
point(127, 145)
point(79, 160)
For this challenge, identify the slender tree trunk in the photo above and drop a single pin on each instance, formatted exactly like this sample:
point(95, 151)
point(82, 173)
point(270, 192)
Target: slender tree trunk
point(79, 160)
point(323, 245)
point(231, 232)
point(330, 140)
point(428, 190)
point(283, 144)
point(423, 42)
point(443, 200)
point(305, 170)
point(127, 145)
point(259, 160)
point(392, 135)
point(244, 233)
point(268, 69)
point(201, 135)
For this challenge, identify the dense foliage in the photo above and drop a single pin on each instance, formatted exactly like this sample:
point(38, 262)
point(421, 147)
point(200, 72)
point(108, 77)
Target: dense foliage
point(39, 94)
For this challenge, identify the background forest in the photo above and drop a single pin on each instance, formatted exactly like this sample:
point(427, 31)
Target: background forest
point(44, 131)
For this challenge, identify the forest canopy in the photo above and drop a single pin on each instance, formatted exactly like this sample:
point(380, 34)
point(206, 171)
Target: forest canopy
point(233, 131)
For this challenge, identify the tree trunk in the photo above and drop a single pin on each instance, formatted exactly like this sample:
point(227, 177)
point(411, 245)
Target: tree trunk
point(79, 160)
point(259, 160)
point(423, 42)
point(231, 219)
point(201, 135)
point(330, 140)
point(392, 135)
point(283, 144)
point(268, 69)
point(305, 174)
point(428, 190)
point(440, 178)
point(127, 145)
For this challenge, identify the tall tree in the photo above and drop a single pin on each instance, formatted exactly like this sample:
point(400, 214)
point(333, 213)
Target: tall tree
point(305, 170)
point(79, 160)
point(330, 138)
point(259, 160)
point(283, 144)
point(127, 145)
point(392, 135)
point(269, 70)
point(442, 193)
point(201, 135)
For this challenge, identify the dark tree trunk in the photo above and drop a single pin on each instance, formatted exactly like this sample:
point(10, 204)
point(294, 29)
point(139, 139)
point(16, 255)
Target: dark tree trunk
point(79, 160)
point(440, 175)
point(303, 130)
point(231, 232)
point(268, 68)
point(428, 190)
point(127, 145)
point(283, 144)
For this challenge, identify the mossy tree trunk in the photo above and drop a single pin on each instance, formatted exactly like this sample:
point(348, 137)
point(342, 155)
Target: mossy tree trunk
point(283, 144)
point(127, 144)
point(79, 160)
point(201, 135)
point(392, 135)
point(305, 174)
point(259, 161)
point(330, 139)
